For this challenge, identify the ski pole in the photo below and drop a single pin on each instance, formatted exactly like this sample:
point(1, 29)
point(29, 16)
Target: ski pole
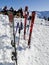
point(31, 28)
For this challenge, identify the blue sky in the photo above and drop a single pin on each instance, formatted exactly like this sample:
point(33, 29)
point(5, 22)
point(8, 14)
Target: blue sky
point(37, 5)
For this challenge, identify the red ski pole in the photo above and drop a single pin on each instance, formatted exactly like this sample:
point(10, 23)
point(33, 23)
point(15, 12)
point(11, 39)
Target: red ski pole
point(31, 28)
point(25, 25)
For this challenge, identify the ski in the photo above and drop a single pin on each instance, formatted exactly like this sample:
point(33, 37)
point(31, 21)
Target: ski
point(31, 28)
point(25, 22)
point(13, 43)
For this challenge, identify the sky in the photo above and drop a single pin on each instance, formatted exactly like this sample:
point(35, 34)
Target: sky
point(36, 5)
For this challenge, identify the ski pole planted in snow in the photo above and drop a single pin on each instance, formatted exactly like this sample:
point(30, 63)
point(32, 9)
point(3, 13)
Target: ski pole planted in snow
point(31, 28)
point(25, 22)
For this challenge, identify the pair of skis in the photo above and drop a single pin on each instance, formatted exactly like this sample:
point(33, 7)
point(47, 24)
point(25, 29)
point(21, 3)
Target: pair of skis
point(31, 27)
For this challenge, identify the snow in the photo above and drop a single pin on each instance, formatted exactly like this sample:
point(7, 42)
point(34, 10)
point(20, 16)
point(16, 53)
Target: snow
point(38, 54)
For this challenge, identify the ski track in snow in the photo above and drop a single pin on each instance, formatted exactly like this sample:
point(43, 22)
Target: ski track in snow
point(38, 54)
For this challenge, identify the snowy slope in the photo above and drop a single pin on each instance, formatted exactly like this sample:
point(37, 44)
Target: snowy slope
point(42, 14)
point(38, 54)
